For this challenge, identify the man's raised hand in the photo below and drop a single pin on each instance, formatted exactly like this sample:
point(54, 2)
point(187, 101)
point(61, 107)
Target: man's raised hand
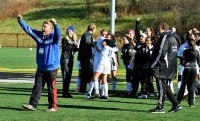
point(19, 17)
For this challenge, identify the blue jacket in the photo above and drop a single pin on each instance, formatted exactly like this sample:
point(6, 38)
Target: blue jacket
point(47, 53)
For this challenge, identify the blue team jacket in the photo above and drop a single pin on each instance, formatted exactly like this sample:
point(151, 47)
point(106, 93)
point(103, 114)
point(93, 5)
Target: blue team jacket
point(47, 53)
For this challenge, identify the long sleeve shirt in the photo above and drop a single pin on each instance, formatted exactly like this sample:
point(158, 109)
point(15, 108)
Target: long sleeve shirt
point(47, 52)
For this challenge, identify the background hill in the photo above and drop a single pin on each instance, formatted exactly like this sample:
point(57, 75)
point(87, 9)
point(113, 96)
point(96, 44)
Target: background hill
point(183, 14)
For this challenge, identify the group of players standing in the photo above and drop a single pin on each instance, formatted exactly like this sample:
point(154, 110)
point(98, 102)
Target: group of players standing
point(143, 57)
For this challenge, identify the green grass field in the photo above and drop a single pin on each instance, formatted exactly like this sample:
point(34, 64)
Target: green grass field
point(116, 108)
point(21, 61)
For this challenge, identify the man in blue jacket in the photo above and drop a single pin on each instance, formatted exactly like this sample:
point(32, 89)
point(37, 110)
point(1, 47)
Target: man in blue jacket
point(48, 61)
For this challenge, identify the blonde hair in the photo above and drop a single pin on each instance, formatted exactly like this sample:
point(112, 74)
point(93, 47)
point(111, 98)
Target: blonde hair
point(49, 23)
point(74, 37)
point(91, 27)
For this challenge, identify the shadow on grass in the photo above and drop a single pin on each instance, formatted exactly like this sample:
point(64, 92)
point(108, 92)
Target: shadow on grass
point(12, 108)
point(98, 108)
point(15, 89)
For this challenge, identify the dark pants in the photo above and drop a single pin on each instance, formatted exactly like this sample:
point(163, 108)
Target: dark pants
point(164, 89)
point(146, 81)
point(135, 81)
point(189, 79)
point(41, 78)
point(86, 76)
point(66, 69)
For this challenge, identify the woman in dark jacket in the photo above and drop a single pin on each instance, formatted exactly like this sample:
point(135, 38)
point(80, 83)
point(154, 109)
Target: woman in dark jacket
point(69, 47)
point(190, 57)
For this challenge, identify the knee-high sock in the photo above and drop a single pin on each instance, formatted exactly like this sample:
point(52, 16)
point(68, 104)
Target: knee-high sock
point(91, 86)
point(106, 90)
point(102, 90)
point(96, 86)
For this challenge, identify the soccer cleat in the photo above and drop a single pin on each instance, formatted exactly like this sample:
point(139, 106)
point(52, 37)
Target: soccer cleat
point(104, 97)
point(157, 110)
point(142, 96)
point(175, 108)
point(29, 107)
point(89, 96)
point(96, 96)
point(51, 110)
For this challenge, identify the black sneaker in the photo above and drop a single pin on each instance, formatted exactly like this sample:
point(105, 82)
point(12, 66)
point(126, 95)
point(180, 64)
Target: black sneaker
point(104, 97)
point(96, 96)
point(157, 110)
point(175, 108)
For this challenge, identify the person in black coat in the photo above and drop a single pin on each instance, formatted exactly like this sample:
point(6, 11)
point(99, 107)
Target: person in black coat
point(126, 57)
point(164, 65)
point(85, 56)
point(69, 47)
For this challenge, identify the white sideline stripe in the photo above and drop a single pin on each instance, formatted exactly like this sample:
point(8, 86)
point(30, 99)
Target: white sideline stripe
point(16, 81)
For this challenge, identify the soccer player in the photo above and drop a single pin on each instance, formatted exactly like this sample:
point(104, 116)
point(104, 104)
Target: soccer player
point(101, 66)
point(189, 59)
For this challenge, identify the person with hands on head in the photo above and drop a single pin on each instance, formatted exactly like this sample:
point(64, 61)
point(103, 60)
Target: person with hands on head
point(47, 59)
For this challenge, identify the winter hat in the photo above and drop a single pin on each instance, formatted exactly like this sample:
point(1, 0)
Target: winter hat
point(132, 31)
point(71, 28)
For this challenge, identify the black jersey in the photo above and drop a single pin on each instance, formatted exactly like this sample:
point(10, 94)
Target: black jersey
point(190, 57)
point(126, 57)
point(143, 57)
point(68, 48)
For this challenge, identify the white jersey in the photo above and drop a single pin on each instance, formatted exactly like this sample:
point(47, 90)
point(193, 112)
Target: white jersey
point(97, 55)
point(102, 57)
point(183, 47)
